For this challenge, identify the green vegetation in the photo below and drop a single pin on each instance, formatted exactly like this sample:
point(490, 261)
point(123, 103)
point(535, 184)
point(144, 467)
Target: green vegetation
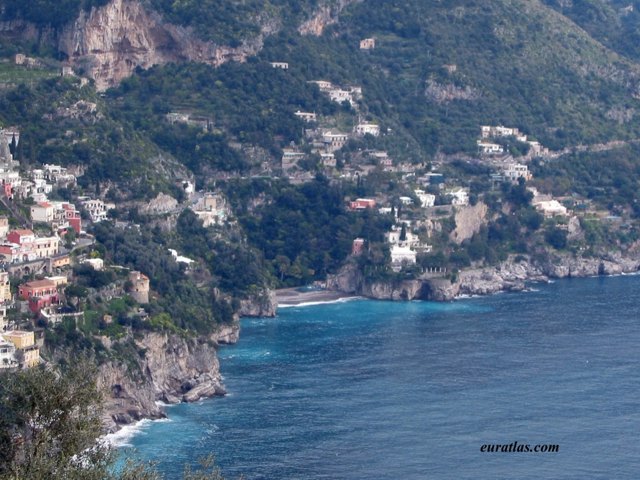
point(229, 23)
point(50, 422)
point(11, 74)
point(303, 232)
point(46, 12)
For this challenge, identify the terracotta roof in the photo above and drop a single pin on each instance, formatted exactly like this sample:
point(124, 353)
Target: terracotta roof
point(39, 284)
point(22, 231)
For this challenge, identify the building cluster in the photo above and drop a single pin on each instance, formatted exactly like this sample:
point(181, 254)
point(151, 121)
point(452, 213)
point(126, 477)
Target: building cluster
point(96, 208)
point(340, 94)
point(22, 245)
point(211, 208)
point(487, 133)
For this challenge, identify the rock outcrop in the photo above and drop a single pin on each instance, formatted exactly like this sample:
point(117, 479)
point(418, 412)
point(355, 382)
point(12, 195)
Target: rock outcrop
point(259, 304)
point(468, 219)
point(109, 42)
point(327, 14)
point(168, 368)
point(511, 275)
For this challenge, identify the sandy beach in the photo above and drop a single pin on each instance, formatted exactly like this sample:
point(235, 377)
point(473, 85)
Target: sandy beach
point(288, 297)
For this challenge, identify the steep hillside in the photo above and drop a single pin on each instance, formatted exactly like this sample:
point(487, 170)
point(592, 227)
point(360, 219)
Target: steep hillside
point(615, 23)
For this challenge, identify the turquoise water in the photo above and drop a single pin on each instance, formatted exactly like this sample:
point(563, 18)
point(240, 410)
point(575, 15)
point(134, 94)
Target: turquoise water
point(383, 390)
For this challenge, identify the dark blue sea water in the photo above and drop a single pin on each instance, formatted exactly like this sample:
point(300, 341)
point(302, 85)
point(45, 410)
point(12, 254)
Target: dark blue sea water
point(380, 390)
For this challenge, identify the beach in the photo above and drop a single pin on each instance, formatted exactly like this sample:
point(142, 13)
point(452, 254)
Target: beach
point(290, 297)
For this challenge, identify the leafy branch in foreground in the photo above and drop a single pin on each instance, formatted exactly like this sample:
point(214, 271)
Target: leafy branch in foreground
point(50, 428)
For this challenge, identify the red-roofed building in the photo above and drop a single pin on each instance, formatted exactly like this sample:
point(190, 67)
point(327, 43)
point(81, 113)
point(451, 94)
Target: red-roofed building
point(362, 204)
point(21, 236)
point(39, 293)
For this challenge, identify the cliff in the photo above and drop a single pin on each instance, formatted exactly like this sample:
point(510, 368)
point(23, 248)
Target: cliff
point(168, 368)
point(259, 304)
point(510, 275)
point(326, 14)
point(109, 42)
point(350, 280)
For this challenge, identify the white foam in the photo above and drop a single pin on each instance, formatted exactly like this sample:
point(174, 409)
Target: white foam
point(123, 437)
point(324, 302)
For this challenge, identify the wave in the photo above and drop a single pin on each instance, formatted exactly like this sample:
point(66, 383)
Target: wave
point(122, 437)
point(320, 302)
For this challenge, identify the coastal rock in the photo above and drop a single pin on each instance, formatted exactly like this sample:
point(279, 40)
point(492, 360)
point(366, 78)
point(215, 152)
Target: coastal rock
point(348, 280)
point(227, 334)
point(169, 368)
point(439, 290)
point(404, 290)
point(260, 304)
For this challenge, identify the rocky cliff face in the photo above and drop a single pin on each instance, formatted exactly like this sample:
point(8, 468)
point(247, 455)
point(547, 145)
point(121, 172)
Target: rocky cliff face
point(260, 304)
point(468, 219)
point(350, 280)
point(327, 14)
point(168, 368)
point(510, 275)
point(109, 42)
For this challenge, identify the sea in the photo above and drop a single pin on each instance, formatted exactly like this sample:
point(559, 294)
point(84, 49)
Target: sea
point(365, 389)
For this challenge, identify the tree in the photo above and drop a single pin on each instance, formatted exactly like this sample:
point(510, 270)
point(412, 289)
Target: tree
point(403, 232)
point(13, 146)
point(49, 423)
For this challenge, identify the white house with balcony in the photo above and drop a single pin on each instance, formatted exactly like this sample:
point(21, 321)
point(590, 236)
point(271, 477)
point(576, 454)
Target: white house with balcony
point(514, 171)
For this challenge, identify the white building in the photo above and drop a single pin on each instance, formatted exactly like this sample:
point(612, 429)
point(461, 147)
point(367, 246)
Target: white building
point(97, 209)
point(516, 170)
point(180, 258)
point(211, 209)
point(323, 85)
point(306, 116)
point(401, 256)
point(363, 129)
point(459, 197)
point(499, 131)
point(489, 148)
point(42, 212)
point(7, 354)
point(334, 141)
point(551, 208)
point(280, 65)
point(367, 44)
point(96, 263)
point(426, 199)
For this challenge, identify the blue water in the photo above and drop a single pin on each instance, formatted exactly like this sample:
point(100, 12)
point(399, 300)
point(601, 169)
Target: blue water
point(381, 390)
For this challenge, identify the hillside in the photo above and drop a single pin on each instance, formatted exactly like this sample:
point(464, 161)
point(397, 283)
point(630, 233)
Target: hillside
point(208, 153)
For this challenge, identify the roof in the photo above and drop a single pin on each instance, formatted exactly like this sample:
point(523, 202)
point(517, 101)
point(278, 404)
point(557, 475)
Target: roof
point(22, 231)
point(39, 284)
point(17, 333)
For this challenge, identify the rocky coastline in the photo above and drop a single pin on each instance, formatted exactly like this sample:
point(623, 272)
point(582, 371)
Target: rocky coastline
point(172, 369)
point(169, 369)
point(510, 275)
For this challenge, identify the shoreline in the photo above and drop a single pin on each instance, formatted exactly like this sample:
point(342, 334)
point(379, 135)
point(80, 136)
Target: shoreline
point(293, 297)
point(121, 437)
